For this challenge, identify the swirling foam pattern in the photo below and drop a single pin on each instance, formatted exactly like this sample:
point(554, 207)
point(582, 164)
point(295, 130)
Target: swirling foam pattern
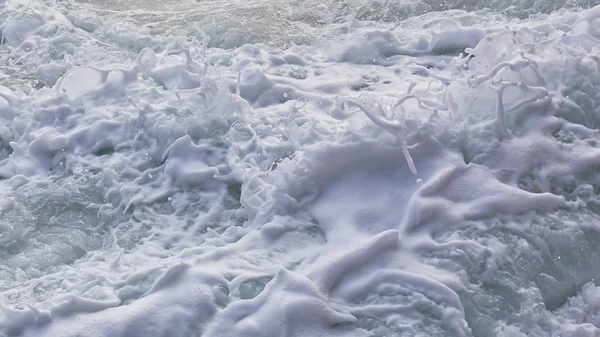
point(300, 169)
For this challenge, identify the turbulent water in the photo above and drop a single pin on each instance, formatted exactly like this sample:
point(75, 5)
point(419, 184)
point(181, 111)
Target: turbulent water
point(299, 168)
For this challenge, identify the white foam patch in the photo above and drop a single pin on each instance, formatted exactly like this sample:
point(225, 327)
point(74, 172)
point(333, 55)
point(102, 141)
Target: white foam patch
point(431, 177)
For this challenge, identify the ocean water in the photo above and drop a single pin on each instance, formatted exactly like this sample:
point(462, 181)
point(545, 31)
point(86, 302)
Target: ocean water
point(308, 168)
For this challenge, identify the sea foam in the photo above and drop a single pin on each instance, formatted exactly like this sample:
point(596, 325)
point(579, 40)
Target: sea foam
point(342, 173)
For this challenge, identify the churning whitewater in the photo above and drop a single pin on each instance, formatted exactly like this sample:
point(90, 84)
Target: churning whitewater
point(299, 168)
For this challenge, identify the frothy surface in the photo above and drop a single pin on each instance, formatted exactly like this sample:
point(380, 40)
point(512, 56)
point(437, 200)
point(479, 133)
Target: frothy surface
point(354, 168)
